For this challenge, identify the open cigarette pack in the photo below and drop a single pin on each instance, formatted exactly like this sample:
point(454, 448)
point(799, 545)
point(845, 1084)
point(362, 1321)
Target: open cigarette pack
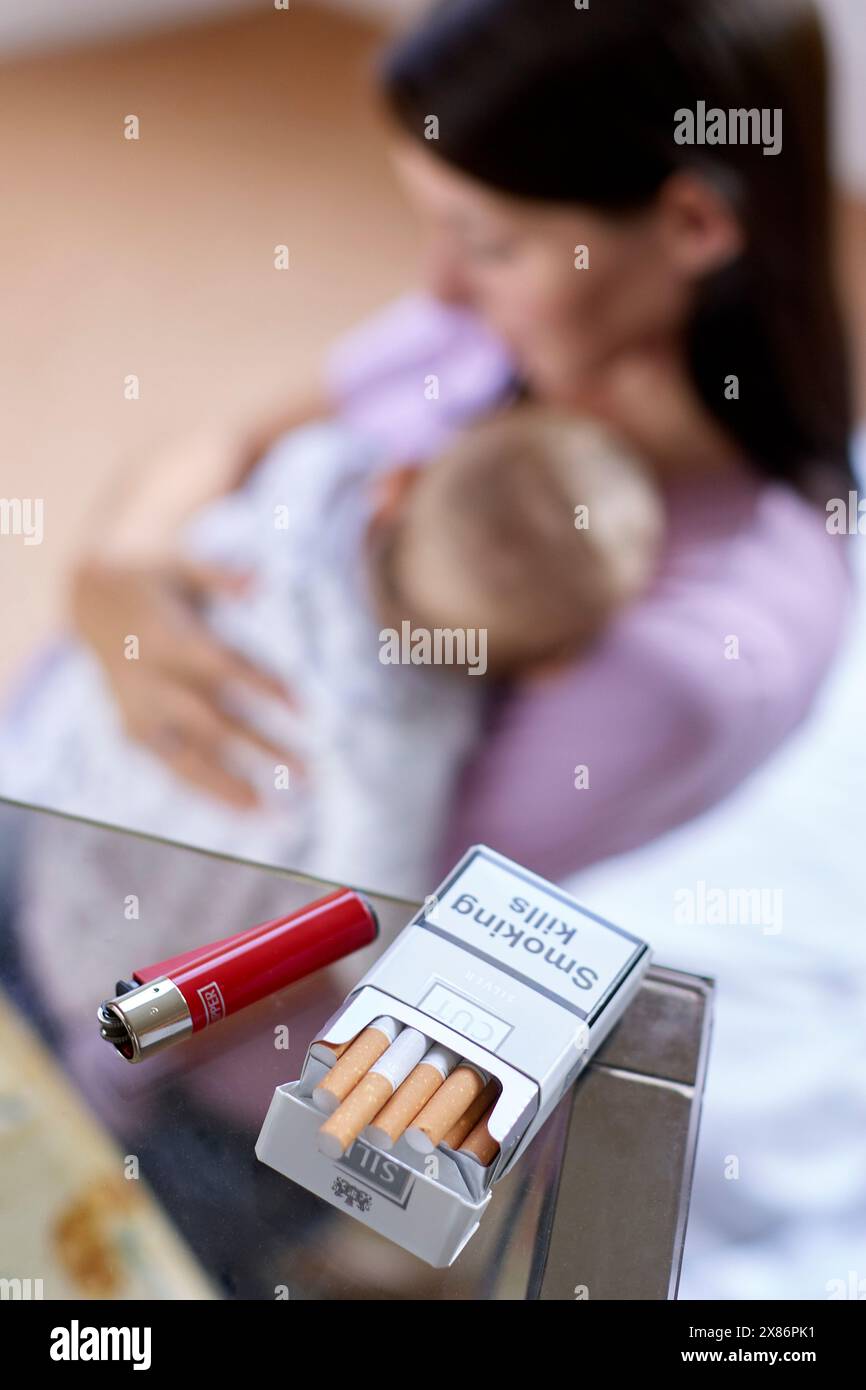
point(433, 1077)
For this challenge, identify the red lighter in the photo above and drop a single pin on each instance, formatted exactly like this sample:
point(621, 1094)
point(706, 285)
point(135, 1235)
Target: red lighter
point(164, 1003)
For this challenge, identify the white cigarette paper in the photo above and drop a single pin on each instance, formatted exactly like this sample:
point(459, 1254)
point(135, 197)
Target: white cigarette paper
point(410, 1098)
point(371, 1092)
point(403, 1054)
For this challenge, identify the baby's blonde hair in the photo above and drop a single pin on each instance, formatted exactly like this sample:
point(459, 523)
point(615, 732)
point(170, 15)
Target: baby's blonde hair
point(533, 525)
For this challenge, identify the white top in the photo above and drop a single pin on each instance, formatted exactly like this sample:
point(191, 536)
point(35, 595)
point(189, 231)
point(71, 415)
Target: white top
point(382, 744)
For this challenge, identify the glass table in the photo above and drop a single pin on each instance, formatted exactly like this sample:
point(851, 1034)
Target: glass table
point(141, 1181)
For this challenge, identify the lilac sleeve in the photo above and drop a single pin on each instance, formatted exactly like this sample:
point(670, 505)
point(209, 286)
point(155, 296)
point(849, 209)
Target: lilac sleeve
point(413, 373)
point(595, 760)
point(662, 723)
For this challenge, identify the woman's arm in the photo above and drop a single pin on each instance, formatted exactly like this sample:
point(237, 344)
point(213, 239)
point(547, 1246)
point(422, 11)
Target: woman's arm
point(131, 580)
point(144, 513)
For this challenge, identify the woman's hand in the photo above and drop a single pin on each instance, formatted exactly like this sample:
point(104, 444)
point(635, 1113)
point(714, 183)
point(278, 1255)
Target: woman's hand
point(169, 695)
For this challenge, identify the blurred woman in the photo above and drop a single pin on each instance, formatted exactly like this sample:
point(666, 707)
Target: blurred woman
point(582, 257)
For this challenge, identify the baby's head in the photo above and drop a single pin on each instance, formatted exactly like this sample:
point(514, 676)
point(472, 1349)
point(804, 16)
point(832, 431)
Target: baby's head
point(533, 526)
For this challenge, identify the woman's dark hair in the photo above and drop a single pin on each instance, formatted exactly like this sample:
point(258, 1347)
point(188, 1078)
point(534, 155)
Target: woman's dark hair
point(543, 100)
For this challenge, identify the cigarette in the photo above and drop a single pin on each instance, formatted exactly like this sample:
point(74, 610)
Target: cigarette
point(355, 1062)
point(480, 1144)
point(410, 1098)
point(365, 1101)
point(328, 1052)
point(471, 1115)
point(445, 1108)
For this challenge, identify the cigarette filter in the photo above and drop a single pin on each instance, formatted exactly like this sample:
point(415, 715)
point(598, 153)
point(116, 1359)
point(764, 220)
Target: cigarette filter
point(169, 1001)
point(463, 1037)
point(355, 1062)
point(445, 1108)
point(480, 1143)
point(471, 1115)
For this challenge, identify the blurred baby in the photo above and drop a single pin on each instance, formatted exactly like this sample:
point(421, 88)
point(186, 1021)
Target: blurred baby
point(532, 531)
point(504, 557)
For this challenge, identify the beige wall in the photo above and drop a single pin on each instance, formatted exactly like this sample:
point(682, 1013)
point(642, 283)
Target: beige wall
point(156, 257)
